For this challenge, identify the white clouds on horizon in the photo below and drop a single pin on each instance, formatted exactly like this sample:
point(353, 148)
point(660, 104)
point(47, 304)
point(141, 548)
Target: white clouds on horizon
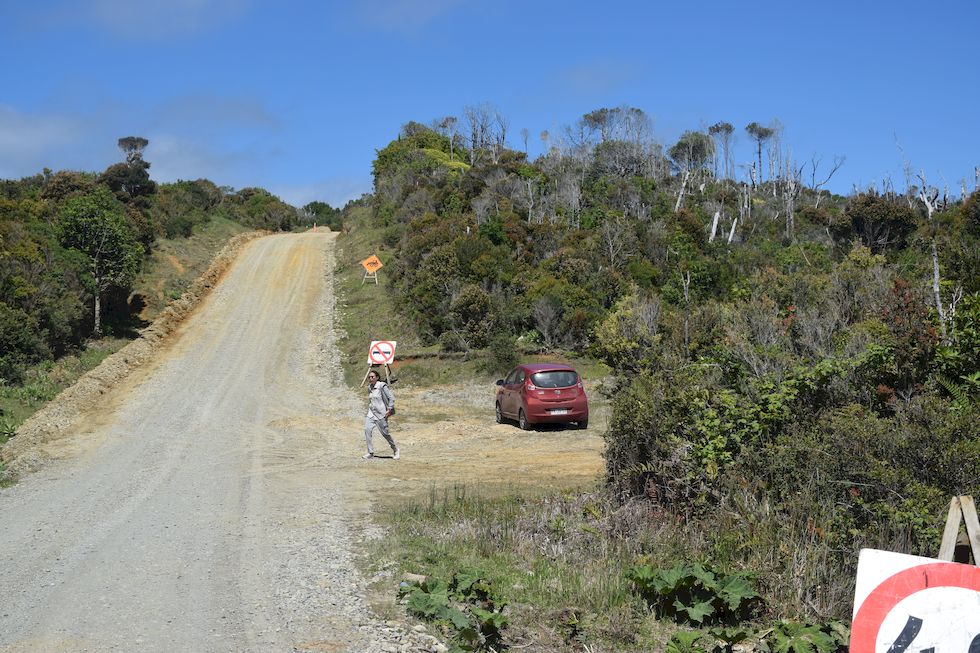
point(29, 142)
point(335, 191)
point(231, 138)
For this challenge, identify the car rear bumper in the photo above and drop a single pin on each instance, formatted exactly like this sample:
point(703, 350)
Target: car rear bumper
point(539, 412)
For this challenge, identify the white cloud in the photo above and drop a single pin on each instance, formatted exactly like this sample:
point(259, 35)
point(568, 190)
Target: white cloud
point(28, 141)
point(335, 191)
point(174, 157)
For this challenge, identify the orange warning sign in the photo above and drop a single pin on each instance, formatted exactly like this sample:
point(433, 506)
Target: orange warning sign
point(372, 263)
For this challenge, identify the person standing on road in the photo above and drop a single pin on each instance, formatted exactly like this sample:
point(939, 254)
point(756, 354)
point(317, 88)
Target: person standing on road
point(381, 406)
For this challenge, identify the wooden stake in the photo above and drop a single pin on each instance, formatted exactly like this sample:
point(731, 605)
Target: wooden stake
point(960, 508)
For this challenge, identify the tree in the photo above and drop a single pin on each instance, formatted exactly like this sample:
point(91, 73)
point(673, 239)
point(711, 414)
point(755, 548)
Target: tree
point(760, 135)
point(448, 126)
point(94, 225)
point(133, 147)
point(130, 181)
point(722, 133)
point(692, 151)
point(880, 222)
point(488, 131)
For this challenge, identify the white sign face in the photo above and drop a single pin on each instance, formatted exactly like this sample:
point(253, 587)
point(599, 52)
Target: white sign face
point(908, 603)
point(381, 352)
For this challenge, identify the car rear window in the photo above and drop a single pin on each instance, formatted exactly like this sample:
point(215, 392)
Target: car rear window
point(555, 379)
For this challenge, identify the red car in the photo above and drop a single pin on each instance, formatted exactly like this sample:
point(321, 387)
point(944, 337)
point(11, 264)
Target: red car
point(538, 393)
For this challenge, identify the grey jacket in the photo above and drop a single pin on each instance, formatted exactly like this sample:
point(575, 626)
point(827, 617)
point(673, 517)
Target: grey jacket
point(380, 400)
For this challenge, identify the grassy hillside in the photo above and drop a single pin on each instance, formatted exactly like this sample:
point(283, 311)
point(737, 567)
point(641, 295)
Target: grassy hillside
point(175, 262)
point(369, 312)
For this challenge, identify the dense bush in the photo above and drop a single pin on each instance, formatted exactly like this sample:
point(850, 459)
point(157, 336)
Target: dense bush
point(771, 341)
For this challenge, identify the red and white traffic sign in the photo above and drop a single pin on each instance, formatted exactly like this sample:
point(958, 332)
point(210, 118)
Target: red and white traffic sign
point(381, 352)
point(909, 603)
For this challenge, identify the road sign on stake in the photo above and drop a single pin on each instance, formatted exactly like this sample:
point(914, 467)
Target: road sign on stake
point(381, 352)
point(909, 603)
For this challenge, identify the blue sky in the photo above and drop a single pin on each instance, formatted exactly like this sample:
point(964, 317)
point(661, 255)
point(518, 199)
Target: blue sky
point(297, 96)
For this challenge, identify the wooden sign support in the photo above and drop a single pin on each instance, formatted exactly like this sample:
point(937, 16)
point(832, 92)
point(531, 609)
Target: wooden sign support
point(961, 509)
point(370, 275)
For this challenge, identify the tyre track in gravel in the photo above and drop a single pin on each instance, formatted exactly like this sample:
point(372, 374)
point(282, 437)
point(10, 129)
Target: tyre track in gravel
point(211, 504)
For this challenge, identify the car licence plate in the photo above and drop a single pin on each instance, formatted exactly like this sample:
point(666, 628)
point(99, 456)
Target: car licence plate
point(559, 411)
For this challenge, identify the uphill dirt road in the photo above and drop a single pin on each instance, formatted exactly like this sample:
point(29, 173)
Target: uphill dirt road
point(216, 501)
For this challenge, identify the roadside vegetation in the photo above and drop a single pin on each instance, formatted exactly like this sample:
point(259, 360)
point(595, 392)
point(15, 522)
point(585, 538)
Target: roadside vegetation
point(796, 375)
point(87, 259)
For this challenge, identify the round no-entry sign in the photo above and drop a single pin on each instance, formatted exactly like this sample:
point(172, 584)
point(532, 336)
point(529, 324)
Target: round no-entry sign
point(381, 352)
point(908, 603)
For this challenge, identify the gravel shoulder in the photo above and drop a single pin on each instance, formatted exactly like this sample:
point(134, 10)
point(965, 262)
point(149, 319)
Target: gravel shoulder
point(215, 502)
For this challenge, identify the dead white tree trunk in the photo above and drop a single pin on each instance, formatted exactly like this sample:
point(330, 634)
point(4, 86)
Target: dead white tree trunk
point(791, 189)
point(680, 195)
point(928, 197)
point(731, 233)
point(714, 226)
point(686, 281)
point(744, 206)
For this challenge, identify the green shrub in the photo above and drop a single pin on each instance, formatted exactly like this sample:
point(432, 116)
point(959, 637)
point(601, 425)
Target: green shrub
point(793, 637)
point(20, 343)
point(693, 593)
point(502, 355)
point(467, 608)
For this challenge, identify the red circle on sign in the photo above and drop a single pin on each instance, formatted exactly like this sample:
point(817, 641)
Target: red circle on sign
point(895, 589)
point(381, 357)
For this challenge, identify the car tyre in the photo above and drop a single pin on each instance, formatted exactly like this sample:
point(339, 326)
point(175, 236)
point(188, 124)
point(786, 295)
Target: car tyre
point(583, 424)
point(499, 414)
point(522, 421)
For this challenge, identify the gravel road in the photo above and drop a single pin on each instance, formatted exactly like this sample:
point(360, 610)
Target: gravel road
point(212, 504)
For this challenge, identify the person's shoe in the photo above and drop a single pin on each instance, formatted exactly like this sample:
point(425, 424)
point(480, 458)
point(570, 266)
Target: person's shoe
point(398, 454)
point(367, 455)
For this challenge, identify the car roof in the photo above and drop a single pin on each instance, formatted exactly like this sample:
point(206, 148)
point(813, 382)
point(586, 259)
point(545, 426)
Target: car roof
point(547, 367)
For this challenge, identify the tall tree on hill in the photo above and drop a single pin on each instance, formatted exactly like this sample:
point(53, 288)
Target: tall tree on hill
point(133, 147)
point(692, 151)
point(488, 131)
point(448, 126)
point(94, 225)
point(760, 135)
point(722, 133)
point(130, 181)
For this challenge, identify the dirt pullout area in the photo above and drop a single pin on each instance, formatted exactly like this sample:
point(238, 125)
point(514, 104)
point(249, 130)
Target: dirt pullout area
point(29, 449)
point(448, 437)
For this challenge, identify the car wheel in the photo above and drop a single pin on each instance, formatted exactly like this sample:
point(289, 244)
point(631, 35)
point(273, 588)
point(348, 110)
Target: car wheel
point(583, 424)
point(500, 415)
point(522, 421)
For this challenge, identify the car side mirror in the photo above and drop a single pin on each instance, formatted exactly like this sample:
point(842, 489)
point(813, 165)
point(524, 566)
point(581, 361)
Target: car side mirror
point(500, 381)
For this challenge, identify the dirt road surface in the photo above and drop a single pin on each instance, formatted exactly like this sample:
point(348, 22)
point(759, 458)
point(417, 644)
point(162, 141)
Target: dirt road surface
point(215, 502)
